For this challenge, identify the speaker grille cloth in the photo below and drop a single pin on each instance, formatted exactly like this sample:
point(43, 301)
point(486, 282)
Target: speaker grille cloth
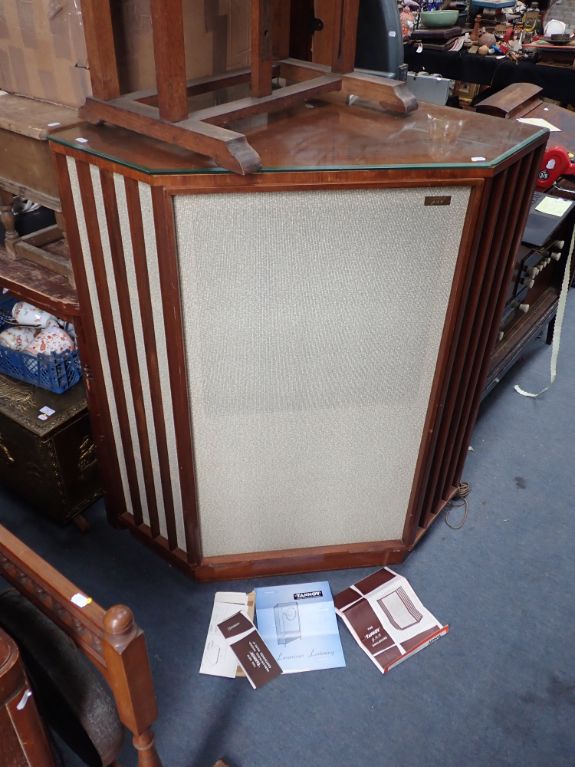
point(312, 325)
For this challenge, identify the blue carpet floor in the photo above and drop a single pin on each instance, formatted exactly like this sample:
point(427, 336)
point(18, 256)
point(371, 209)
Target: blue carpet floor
point(498, 690)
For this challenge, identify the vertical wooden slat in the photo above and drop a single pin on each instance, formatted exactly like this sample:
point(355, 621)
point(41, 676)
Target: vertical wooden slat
point(99, 34)
point(261, 45)
point(175, 342)
point(100, 419)
point(170, 58)
point(344, 35)
point(147, 312)
point(97, 258)
point(126, 311)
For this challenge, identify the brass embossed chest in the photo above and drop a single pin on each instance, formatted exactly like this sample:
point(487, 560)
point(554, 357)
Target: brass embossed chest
point(47, 458)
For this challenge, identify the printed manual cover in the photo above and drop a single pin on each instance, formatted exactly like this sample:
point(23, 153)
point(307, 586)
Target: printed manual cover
point(299, 625)
point(387, 618)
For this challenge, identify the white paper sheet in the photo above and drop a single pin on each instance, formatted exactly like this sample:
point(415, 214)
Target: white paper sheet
point(554, 206)
point(218, 659)
point(540, 123)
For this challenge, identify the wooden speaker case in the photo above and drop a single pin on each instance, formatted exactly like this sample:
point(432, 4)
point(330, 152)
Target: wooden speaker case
point(199, 449)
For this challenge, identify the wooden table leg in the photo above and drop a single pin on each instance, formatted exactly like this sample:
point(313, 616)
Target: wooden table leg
point(261, 18)
point(8, 221)
point(344, 39)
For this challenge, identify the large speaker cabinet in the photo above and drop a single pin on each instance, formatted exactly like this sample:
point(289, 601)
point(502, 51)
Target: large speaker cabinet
point(284, 369)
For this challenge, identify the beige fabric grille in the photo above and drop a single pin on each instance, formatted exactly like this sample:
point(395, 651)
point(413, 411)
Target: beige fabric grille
point(312, 323)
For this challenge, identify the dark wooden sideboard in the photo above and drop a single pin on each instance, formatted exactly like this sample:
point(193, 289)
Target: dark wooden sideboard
point(284, 368)
point(538, 272)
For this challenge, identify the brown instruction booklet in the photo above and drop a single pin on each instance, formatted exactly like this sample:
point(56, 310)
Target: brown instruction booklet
point(253, 654)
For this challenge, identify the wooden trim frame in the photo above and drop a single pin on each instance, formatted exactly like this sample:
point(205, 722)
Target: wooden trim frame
point(254, 564)
point(110, 639)
point(164, 114)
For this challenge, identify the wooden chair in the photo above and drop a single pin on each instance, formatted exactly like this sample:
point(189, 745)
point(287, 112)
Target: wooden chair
point(110, 639)
point(164, 114)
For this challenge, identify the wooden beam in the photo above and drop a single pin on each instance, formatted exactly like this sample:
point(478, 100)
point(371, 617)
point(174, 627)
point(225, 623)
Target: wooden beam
point(99, 34)
point(393, 95)
point(261, 33)
point(229, 149)
point(170, 58)
point(200, 85)
point(283, 98)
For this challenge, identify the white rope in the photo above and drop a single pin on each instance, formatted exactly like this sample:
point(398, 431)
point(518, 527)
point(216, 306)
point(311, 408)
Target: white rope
point(557, 327)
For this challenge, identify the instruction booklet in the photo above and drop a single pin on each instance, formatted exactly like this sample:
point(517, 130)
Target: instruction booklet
point(299, 625)
point(387, 618)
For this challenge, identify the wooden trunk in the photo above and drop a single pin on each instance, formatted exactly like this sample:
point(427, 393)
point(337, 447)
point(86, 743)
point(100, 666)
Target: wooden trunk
point(51, 464)
point(285, 368)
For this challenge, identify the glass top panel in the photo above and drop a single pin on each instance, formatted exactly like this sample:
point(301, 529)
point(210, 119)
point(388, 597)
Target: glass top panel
point(322, 135)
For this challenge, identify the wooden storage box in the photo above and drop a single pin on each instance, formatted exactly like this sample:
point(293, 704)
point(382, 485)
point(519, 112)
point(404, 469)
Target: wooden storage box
point(51, 463)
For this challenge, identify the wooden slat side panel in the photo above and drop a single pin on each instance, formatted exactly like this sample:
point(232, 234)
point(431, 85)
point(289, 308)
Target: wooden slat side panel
point(488, 316)
point(152, 373)
point(173, 327)
point(456, 385)
point(100, 293)
point(446, 360)
point(100, 416)
point(520, 211)
point(118, 256)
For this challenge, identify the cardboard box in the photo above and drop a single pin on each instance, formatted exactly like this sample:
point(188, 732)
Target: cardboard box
point(43, 52)
point(217, 38)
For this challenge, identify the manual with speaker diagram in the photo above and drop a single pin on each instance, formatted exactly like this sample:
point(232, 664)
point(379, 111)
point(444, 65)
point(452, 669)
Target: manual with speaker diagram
point(299, 625)
point(387, 619)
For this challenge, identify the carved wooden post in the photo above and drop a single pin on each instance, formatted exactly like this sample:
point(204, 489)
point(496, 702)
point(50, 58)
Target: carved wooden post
point(130, 678)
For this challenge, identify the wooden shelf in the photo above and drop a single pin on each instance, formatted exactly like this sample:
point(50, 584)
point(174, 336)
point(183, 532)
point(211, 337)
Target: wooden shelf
point(47, 290)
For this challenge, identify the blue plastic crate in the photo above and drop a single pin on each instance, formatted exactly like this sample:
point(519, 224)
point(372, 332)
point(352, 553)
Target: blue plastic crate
point(55, 372)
